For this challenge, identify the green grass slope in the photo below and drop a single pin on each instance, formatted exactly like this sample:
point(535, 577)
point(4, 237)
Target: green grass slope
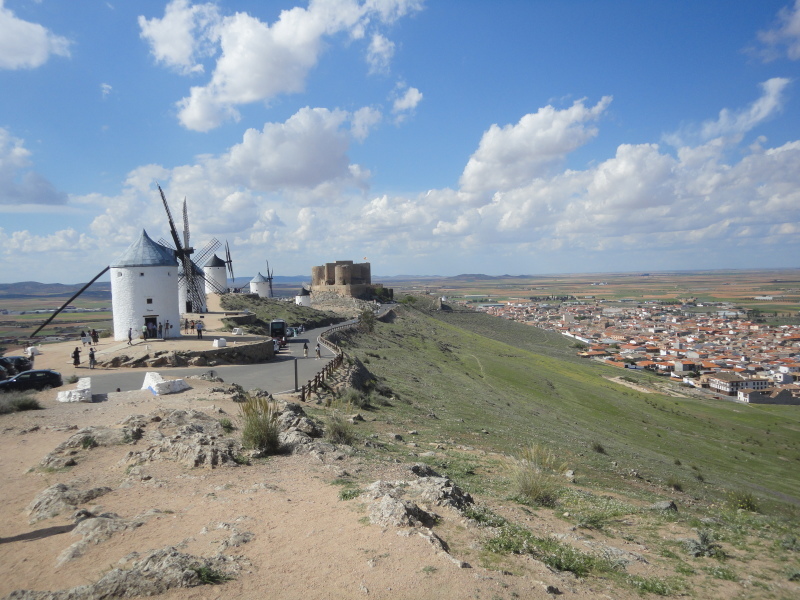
point(499, 386)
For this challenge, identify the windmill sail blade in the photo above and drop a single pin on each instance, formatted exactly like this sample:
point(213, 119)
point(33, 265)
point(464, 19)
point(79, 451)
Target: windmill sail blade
point(185, 225)
point(229, 263)
point(201, 257)
point(172, 230)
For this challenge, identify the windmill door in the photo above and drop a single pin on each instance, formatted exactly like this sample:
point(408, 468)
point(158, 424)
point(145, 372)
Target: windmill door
point(151, 323)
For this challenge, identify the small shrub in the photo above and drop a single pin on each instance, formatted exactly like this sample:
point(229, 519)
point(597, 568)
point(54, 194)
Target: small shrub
point(349, 493)
point(210, 576)
point(794, 575)
point(557, 555)
point(650, 585)
point(533, 475)
point(723, 573)
point(339, 430)
point(88, 442)
point(598, 447)
point(484, 516)
point(17, 402)
point(592, 521)
point(72, 379)
point(354, 397)
point(704, 545)
point(259, 418)
point(241, 459)
point(791, 542)
point(226, 424)
point(678, 462)
point(675, 484)
point(739, 499)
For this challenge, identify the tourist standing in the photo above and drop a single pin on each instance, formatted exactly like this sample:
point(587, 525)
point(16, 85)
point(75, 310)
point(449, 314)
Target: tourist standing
point(84, 339)
point(161, 330)
point(199, 328)
point(92, 361)
point(185, 326)
point(305, 349)
point(76, 356)
point(318, 351)
point(191, 325)
point(130, 336)
point(144, 332)
point(167, 327)
point(95, 337)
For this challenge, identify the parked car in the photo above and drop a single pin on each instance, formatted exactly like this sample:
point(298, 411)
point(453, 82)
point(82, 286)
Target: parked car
point(15, 364)
point(31, 380)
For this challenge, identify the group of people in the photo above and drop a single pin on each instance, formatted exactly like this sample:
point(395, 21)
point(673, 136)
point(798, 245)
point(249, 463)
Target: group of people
point(152, 331)
point(76, 357)
point(317, 349)
point(92, 338)
point(192, 326)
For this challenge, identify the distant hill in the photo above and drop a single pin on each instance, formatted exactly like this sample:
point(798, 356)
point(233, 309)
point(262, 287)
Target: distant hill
point(34, 289)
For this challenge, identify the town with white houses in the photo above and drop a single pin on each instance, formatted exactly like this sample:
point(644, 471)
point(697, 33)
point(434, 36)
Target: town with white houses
point(721, 350)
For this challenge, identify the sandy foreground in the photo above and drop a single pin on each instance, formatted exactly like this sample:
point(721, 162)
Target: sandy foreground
point(305, 541)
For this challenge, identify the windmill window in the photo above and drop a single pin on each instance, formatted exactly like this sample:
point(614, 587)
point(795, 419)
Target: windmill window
point(119, 273)
point(149, 300)
point(141, 274)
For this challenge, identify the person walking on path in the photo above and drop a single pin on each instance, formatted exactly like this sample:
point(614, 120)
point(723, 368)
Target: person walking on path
point(144, 332)
point(92, 361)
point(76, 356)
point(84, 339)
point(185, 326)
point(305, 350)
point(199, 328)
point(161, 330)
point(95, 337)
point(191, 325)
point(319, 354)
point(130, 336)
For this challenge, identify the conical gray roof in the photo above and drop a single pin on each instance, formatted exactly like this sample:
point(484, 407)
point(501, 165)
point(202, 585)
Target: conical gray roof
point(144, 252)
point(215, 261)
point(258, 279)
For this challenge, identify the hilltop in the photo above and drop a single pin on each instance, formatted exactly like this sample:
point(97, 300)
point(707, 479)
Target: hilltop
point(638, 481)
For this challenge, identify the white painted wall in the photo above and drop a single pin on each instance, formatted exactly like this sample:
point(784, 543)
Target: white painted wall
point(261, 288)
point(218, 275)
point(130, 289)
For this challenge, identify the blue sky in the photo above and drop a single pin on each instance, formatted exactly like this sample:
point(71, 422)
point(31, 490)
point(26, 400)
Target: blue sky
point(429, 137)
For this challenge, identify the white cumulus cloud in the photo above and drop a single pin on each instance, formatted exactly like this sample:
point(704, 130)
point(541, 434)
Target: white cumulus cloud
point(19, 183)
point(26, 45)
point(257, 60)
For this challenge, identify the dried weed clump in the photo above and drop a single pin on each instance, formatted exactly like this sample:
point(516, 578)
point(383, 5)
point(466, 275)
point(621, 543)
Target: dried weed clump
point(534, 476)
point(259, 418)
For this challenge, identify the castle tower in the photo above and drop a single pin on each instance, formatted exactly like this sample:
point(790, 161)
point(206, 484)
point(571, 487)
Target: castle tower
point(216, 276)
point(144, 287)
point(259, 285)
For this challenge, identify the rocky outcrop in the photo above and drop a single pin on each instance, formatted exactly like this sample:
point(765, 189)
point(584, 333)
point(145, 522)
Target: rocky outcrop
point(60, 498)
point(154, 573)
point(95, 529)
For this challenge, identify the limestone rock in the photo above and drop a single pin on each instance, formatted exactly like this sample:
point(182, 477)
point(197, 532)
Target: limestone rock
point(59, 498)
point(154, 574)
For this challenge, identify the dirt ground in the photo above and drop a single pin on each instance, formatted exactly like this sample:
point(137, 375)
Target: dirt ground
point(305, 541)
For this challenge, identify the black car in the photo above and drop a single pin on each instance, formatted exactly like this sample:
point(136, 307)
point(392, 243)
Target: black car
point(14, 364)
point(31, 380)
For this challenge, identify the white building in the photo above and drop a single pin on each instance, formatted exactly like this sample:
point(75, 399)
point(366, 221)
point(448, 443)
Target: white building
point(259, 285)
point(144, 288)
point(303, 298)
point(216, 276)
